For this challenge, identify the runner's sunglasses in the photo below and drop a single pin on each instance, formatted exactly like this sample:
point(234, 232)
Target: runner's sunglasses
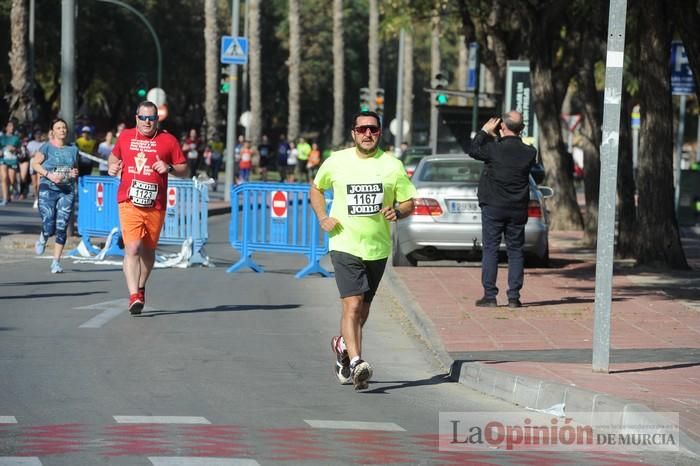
point(363, 129)
point(147, 117)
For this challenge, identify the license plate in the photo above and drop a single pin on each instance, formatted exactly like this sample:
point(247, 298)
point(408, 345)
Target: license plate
point(458, 207)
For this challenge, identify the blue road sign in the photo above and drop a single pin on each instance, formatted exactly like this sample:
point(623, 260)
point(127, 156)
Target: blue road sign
point(473, 63)
point(682, 82)
point(234, 50)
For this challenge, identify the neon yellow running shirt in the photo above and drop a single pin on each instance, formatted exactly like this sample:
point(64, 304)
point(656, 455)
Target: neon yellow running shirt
point(361, 187)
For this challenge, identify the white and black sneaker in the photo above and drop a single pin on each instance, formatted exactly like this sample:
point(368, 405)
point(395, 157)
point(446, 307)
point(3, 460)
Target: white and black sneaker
point(342, 360)
point(361, 373)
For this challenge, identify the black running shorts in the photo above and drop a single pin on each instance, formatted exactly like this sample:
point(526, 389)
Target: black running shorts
point(355, 276)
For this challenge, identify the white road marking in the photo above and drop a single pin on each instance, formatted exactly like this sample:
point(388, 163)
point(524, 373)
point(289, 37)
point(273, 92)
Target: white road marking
point(8, 420)
point(161, 420)
point(102, 318)
point(195, 461)
point(358, 425)
point(19, 461)
point(111, 309)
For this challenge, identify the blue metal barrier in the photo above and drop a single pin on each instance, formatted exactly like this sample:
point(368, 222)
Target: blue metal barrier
point(98, 214)
point(187, 203)
point(275, 217)
point(187, 216)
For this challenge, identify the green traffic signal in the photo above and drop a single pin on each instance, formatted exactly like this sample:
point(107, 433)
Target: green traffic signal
point(141, 92)
point(441, 99)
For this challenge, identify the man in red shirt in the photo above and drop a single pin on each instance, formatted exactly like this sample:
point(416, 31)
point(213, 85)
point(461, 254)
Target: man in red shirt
point(143, 157)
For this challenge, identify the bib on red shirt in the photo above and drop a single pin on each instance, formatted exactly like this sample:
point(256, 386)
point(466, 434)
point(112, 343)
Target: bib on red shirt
point(140, 183)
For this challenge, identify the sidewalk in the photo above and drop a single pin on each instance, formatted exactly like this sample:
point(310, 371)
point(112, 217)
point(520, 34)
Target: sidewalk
point(540, 355)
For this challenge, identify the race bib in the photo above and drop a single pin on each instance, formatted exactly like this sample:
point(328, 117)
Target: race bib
point(64, 172)
point(9, 155)
point(143, 194)
point(365, 199)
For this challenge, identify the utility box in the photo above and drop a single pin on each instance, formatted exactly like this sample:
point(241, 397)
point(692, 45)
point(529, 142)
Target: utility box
point(689, 198)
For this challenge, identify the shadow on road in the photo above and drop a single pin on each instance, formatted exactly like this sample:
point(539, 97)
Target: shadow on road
point(224, 308)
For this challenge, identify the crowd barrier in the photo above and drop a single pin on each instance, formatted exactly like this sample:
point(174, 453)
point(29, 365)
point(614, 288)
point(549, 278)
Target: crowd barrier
point(186, 216)
point(276, 217)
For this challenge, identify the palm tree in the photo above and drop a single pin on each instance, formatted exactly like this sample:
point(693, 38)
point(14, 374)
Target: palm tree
point(21, 96)
point(373, 52)
point(255, 81)
point(408, 82)
point(211, 69)
point(338, 74)
point(294, 64)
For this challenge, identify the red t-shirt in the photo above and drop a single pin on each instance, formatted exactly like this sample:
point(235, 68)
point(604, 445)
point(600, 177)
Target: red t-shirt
point(138, 153)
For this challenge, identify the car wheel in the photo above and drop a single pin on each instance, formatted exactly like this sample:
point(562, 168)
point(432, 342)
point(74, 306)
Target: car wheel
point(536, 261)
point(398, 258)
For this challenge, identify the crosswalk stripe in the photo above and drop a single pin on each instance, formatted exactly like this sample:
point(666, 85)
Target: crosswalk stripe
point(161, 420)
point(19, 461)
point(194, 461)
point(357, 425)
point(8, 420)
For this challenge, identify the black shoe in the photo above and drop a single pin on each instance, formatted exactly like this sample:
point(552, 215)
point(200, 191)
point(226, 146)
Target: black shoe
point(361, 373)
point(486, 302)
point(514, 303)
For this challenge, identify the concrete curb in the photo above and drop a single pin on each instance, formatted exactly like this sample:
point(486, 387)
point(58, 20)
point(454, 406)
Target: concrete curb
point(529, 392)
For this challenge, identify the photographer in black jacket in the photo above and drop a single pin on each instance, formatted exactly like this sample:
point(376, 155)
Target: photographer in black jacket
point(504, 194)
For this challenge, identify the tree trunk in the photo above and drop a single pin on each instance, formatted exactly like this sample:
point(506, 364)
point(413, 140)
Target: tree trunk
point(211, 69)
point(294, 70)
point(565, 212)
point(373, 53)
point(659, 239)
point(339, 131)
point(627, 234)
point(21, 96)
point(408, 84)
point(255, 81)
point(591, 134)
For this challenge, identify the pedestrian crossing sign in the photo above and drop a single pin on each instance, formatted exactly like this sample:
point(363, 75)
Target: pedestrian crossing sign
point(234, 50)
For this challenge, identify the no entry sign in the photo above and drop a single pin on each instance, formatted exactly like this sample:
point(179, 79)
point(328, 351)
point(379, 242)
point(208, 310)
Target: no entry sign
point(279, 204)
point(100, 198)
point(172, 197)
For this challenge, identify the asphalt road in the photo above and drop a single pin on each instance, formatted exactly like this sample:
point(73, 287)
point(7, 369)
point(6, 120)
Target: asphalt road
point(220, 369)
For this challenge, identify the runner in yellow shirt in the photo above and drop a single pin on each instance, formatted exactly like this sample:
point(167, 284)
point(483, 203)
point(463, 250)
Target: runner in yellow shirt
point(370, 190)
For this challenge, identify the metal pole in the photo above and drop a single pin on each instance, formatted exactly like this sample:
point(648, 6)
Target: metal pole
point(398, 138)
point(151, 30)
point(245, 104)
point(67, 110)
point(232, 100)
point(608, 182)
point(679, 151)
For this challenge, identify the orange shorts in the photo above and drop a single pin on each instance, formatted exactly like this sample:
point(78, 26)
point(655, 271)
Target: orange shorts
point(140, 224)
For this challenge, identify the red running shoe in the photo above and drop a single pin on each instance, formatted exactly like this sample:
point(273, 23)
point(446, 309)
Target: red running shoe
point(135, 304)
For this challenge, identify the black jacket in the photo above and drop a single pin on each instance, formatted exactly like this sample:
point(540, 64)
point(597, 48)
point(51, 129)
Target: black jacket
point(507, 164)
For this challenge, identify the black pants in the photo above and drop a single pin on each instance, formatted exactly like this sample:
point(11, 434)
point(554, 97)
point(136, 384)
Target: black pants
point(497, 222)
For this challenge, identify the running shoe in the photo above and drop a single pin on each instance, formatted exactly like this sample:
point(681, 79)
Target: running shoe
point(142, 295)
point(135, 304)
point(40, 245)
point(361, 373)
point(56, 267)
point(342, 363)
point(36, 204)
point(3, 203)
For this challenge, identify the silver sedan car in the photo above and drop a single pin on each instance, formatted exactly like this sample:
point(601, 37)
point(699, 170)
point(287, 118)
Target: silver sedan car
point(446, 220)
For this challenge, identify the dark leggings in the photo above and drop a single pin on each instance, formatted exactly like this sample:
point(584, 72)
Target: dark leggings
point(55, 208)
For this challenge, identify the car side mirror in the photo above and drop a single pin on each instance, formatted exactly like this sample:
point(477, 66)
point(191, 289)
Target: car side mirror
point(546, 191)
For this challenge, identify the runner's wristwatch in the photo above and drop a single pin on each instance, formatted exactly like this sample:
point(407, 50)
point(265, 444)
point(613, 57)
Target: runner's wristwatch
point(170, 168)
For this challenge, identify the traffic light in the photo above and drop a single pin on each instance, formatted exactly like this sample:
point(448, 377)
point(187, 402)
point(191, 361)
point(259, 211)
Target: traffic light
point(379, 101)
point(439, 84)
point(364, 99)
point(224, 86)
point(141, 86)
